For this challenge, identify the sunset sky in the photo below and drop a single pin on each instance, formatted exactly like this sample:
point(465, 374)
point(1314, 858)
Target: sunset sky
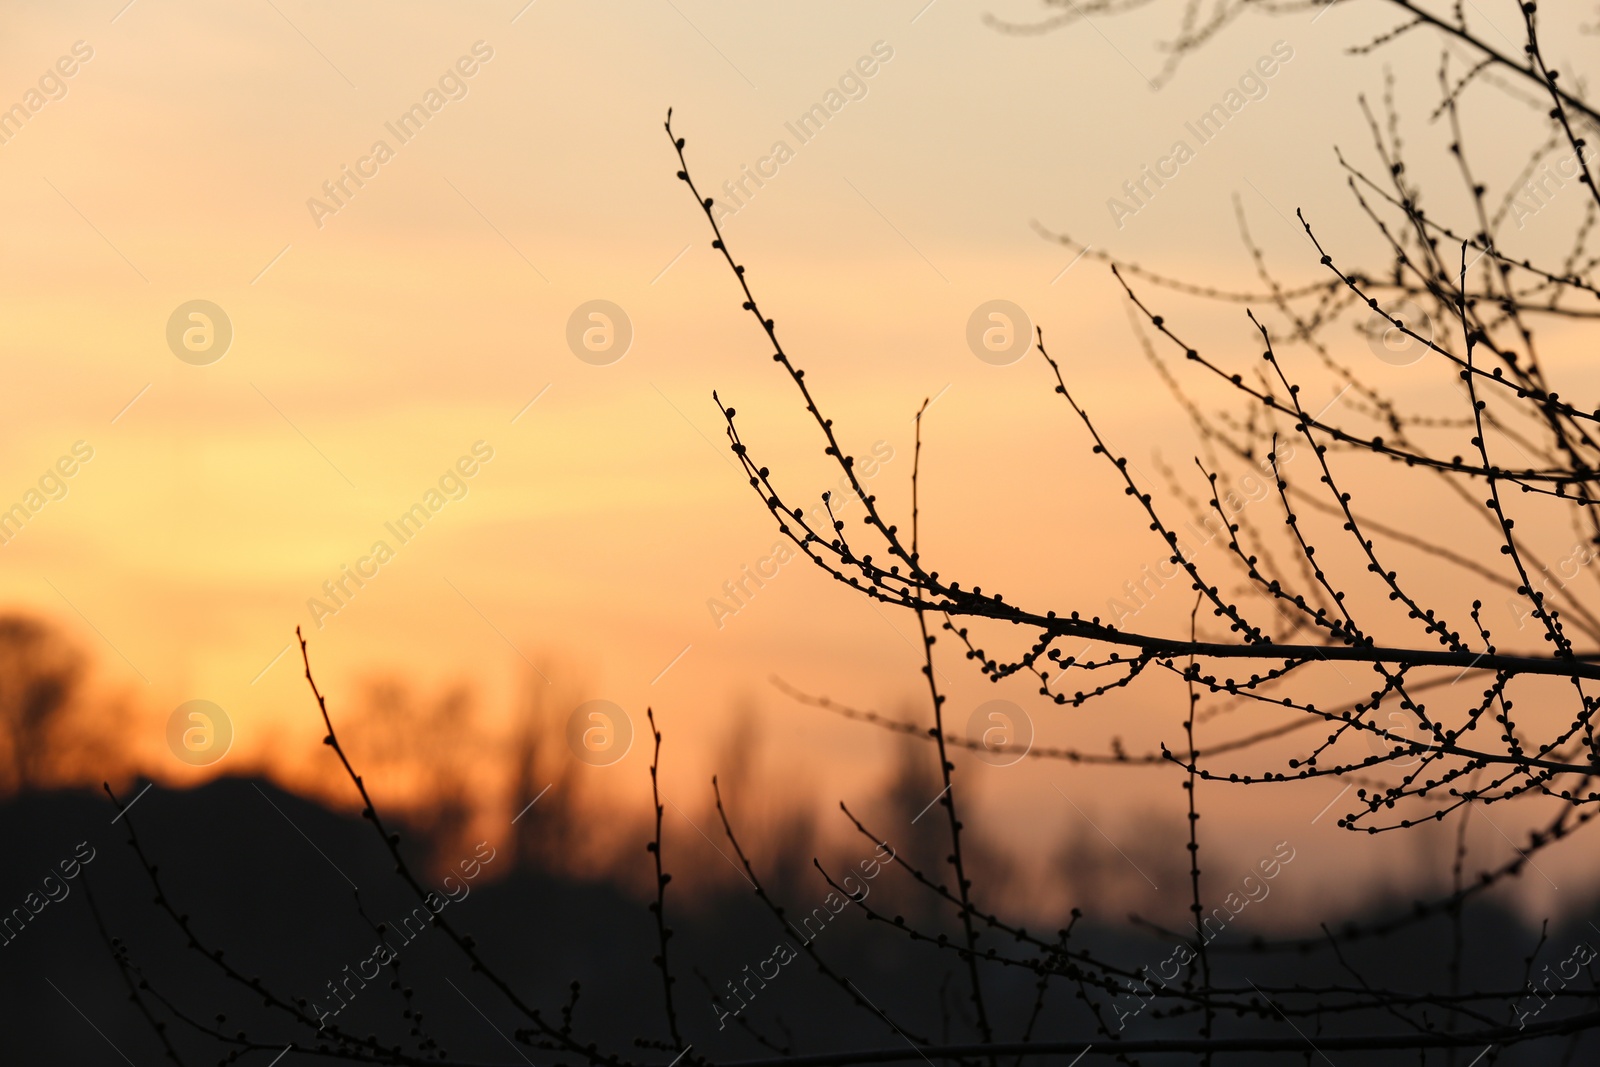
point(423, 318)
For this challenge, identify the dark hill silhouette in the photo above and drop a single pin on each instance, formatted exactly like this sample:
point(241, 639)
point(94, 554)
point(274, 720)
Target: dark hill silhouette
point(267, 876)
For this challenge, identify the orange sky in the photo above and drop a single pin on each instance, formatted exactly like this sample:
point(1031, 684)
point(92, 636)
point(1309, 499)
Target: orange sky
point(375, 345)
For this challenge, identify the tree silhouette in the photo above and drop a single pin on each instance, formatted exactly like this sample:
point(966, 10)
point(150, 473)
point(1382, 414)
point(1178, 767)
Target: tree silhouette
point(1308, 582)
point(39, 678)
